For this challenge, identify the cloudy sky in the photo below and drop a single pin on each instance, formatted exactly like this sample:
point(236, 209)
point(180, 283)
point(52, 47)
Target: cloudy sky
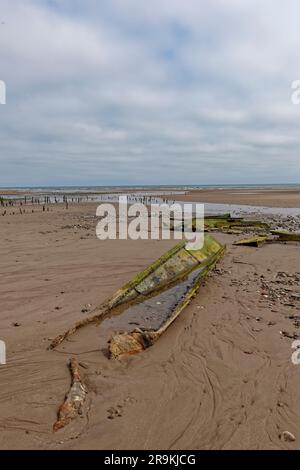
point(149, 92)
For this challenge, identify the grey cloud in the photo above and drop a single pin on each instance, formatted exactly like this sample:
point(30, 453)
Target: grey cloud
point(149, 92)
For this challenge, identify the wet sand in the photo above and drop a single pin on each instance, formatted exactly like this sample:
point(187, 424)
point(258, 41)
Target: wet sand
point(221, 377)
point(253, 197)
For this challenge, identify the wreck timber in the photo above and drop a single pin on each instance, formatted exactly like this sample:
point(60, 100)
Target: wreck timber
point(285, 236)
point(253, 241)
point(181, 265)
point(170, 270)
point(222, 222)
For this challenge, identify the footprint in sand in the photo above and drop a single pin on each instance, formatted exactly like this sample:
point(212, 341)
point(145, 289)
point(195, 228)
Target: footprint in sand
point(115, 412)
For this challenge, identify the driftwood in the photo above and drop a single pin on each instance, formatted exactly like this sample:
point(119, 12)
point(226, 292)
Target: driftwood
point(72, 406)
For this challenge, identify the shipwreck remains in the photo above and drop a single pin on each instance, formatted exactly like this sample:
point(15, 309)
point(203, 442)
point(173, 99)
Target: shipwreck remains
point(172, 281)
point(222, 223)
point(227, 223)
point(253, 241)
point(285, 236)
point(276, 236)
point(164, 289)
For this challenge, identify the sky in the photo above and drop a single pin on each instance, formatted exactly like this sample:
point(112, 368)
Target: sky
point(162, 92)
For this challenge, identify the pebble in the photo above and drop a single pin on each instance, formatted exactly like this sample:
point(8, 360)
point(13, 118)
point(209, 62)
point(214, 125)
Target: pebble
point(86, 308)
point(288, 436)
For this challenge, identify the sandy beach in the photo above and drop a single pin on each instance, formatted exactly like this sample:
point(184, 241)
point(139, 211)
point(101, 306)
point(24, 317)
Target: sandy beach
point(149, 231)
point(221, 377)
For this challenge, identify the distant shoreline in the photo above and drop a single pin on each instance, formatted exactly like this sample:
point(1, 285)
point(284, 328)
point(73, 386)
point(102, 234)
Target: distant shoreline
point(143, 187)
point(272, 196)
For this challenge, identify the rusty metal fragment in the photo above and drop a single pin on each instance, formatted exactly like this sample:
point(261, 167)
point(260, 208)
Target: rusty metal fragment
point(72, 406)
point(253, 241)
